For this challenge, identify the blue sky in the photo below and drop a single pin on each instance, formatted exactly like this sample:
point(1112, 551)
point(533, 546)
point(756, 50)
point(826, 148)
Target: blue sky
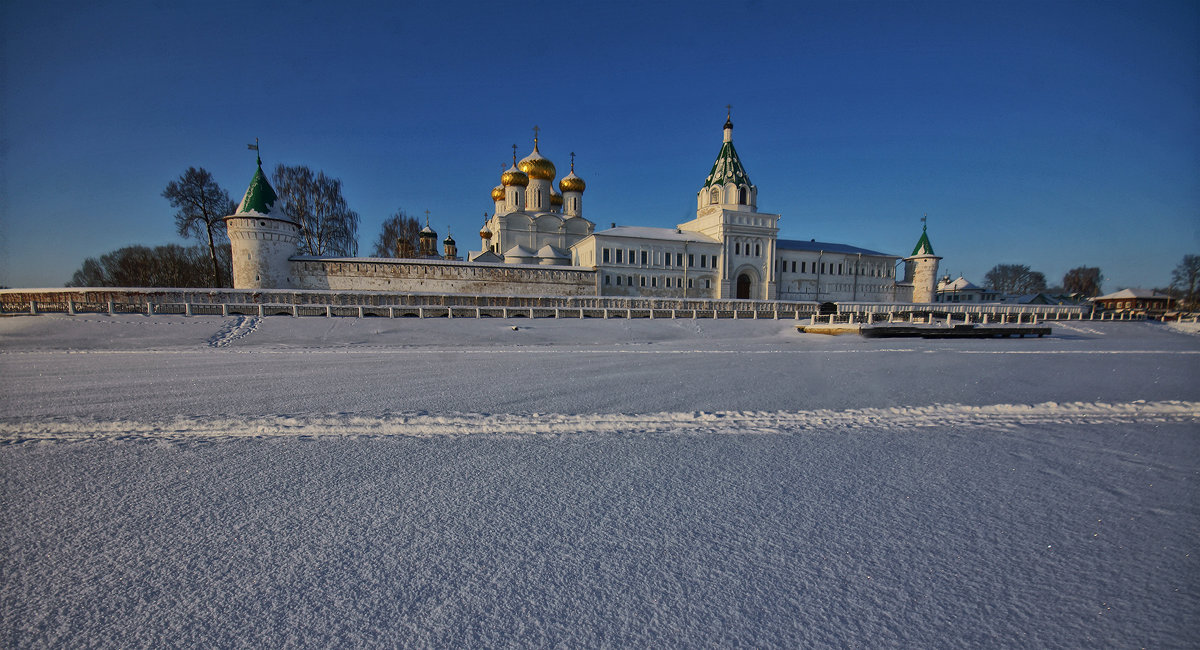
point(1053, 134)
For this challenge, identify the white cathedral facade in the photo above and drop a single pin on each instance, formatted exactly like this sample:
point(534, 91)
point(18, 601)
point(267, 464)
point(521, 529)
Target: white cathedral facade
point(538, 240)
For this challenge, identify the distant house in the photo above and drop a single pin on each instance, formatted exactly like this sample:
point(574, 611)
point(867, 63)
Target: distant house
point(1145, 300)
point(962, 290)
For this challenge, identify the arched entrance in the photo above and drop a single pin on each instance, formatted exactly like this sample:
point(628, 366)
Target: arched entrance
point(744, 282)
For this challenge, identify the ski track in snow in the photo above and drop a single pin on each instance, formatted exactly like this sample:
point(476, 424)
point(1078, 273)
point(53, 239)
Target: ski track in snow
point(426, 425)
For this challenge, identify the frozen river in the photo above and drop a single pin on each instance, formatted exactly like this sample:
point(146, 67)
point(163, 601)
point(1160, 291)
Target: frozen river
point(208, 481)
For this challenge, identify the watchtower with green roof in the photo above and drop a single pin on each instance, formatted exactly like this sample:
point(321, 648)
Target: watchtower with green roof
point(921, 268)
point(262, 238)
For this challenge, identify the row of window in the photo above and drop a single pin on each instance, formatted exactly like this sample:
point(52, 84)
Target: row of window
point(656, 258)
point(829, 268)
point(743, 195)
point(738, 248)
point(652, 281)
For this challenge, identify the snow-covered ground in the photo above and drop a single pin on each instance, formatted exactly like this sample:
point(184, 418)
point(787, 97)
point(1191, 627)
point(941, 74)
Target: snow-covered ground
point(262, 482)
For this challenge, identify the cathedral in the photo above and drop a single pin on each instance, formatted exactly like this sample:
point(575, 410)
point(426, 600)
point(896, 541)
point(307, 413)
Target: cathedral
point(538, 242)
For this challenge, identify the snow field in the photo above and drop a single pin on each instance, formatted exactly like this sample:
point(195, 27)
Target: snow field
point(355, 483)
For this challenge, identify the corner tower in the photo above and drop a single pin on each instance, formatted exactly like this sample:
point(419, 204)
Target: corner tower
point(262, 239)
point(920, 268)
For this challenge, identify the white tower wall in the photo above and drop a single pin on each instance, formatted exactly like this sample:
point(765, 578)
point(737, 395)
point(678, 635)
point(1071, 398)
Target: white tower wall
point(261, 248)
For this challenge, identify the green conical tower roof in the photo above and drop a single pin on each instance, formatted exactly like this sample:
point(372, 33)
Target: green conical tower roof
point(728, 167)
point(923, 245)
point(260, 198)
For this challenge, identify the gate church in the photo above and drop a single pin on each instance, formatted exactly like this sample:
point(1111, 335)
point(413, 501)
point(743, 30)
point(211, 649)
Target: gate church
point(539, 243)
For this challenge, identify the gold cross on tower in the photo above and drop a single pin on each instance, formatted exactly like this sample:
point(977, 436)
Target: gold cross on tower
point(535, 135)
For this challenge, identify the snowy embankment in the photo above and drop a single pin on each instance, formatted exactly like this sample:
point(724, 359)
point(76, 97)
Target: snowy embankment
point(262, 482)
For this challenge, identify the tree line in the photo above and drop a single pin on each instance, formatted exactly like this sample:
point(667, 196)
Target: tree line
point(328, 227)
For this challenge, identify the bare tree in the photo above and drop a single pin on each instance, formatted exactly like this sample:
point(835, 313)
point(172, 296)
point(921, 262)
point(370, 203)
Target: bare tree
point(327, 225)
point(202, 203)
point(1185, 277)
point(1014, 279)
point(398, 236)
point(1084, 280)
point(171, 265)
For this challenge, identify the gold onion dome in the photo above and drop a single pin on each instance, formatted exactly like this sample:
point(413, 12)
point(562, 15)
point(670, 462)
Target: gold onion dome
point(484, 233)
point(498, 193)
point(571, 182)
point(537, 166)
point(555, 198)
point(514, 177)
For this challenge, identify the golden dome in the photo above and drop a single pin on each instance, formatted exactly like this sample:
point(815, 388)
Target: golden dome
point(555, 198)
point(537, 166)
point(571, 182)
point(498, 193)
point(514, 176)
point(484, 233)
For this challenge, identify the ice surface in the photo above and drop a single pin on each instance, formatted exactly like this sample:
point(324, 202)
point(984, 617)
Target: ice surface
point(203, 481)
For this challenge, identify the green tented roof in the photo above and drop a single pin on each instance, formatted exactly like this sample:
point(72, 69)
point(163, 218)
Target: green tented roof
point(260, 198)
point(923, 245)
point(727, 169)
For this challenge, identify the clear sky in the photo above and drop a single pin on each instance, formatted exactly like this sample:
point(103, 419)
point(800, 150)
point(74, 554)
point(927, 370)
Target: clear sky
point(1053, 134)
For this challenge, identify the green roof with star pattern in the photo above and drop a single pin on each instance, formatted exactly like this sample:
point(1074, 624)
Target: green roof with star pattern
point(727, 169)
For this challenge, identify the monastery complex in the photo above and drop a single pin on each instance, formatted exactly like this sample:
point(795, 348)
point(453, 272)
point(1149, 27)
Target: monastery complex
point(539, 243)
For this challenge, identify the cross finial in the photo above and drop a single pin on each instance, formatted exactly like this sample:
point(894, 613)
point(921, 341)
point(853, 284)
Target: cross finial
point(427, 218)
point(536, 129)
point(924, 221)
point(572, 161)
point(514, 155)
point(728, 110)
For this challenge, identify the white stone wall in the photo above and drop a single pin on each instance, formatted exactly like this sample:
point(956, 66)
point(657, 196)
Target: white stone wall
point(924, 277)
point(432, 276)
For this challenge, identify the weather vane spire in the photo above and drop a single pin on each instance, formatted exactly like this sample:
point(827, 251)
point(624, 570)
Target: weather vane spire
point(254, 147)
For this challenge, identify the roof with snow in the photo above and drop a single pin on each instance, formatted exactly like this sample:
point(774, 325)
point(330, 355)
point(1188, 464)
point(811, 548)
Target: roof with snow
point(646, 232)
point(961, 284)
point(260, 198)
point(1132, 293)
point(824, 247)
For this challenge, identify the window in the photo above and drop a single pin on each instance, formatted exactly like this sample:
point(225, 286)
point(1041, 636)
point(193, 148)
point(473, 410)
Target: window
point(618, 280)
point(707, 284)
point(737, 249)
point(643, 260)
point(743, 195)
point(654, 282)
point(606, 256)
point(793, 266)
point(822, 267)
point(678, 259)
point(619, 251)
point(629, 280)
point(607, 279)
point(691, 259)
point(642, 280)
point(703, 260)
point(689, 283)
point(668, 259)
point(840, 270)
point(715, 197)
point(757, 249)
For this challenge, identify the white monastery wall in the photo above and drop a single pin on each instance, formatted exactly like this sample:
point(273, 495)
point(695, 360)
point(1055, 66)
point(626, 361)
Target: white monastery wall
point(435, 276)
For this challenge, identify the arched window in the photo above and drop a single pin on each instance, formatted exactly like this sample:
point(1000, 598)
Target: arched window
point(716, 196)
point(743, 195)
point(758, 249)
